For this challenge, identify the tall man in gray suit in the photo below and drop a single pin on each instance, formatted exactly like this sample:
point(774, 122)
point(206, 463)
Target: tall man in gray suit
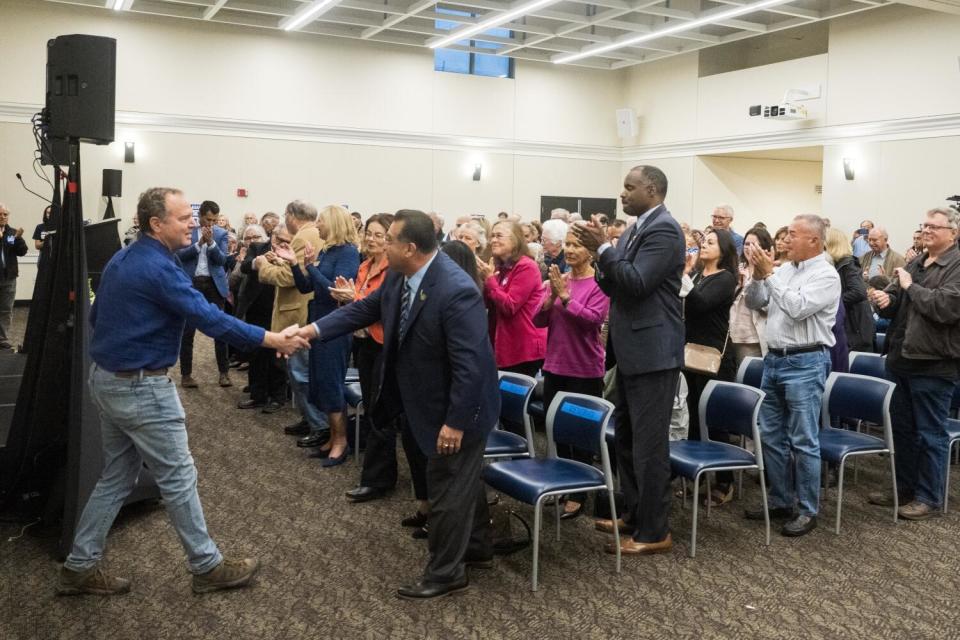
point(642, 277)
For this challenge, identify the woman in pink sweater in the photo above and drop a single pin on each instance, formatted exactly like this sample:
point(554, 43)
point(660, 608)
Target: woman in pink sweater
point(573, 310)
point(514, 294)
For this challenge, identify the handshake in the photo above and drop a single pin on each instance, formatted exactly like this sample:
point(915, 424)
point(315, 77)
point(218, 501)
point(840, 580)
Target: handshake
point(290, 340)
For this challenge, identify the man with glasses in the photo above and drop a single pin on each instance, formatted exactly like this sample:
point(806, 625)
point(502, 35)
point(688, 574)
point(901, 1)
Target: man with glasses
point(924, 360)
point(13, 246)
point(722, 218)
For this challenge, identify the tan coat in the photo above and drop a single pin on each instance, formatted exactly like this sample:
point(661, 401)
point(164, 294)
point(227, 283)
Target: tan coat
point(893, 260)
point(289, 305)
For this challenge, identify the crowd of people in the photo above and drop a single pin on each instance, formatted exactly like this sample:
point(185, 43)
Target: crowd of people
point(596, 305)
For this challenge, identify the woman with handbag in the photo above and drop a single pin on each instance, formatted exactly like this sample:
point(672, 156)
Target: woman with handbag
point(711, 284)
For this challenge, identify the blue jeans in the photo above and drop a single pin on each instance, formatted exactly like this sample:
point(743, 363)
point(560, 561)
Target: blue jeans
point(919, 411)
point(142, 420)
point(298, 367)
point(790, 426)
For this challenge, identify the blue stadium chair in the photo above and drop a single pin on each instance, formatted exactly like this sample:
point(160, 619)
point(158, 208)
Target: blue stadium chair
point(856, 397)
point(354, 398)
point(953, 437)
point(576, 420)
point(879, 342)
point(750, 372)
point(730, 407)
point(868, 364)
point(536, 408)
point(515, 393)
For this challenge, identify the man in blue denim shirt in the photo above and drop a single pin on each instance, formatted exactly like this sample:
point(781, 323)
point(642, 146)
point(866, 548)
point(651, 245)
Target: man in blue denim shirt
point(142, 305)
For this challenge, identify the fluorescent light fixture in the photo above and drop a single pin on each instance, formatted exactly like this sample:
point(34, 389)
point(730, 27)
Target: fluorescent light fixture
point(306, 14)
point(121, 5)
point(677, 27)
point(489, 23)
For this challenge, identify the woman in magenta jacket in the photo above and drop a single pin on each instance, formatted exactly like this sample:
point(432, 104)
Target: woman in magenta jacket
point(514, 293)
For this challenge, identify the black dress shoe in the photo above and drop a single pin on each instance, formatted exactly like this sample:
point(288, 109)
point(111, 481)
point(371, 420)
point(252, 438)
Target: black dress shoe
point(799, 526)
point(299, 429)
point(424, 589)
point(415, 521)
point(321, 454)
point(366, 494)
point(421, 533)
point(250, 404)
point(776, 513)
point(314, 440)
point(245, 389)
point(272, 406)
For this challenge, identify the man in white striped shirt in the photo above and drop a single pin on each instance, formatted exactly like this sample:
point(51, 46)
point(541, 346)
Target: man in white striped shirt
point(801, 298)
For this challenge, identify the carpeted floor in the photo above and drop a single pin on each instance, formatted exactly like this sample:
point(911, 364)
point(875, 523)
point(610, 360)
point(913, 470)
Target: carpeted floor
point(330, 569)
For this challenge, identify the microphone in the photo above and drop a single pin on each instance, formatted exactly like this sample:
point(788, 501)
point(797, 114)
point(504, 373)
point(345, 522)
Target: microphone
point(24, 185)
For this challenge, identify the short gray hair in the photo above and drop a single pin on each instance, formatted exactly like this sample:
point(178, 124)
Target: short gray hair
point(477, 229)
point(727, 209)
point(303, 211)
point(951, 214)
point(816, 224)
point(554, 230)
point(560, 214)
point(153, 204)
point(260, 231)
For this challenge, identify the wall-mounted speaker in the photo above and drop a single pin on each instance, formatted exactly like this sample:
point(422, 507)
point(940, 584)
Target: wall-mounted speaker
point(112, 183)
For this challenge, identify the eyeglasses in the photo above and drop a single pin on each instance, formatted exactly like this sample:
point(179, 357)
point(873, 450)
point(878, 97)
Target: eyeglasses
point(374, 236)
point(717, 217)
point(926, 226)
point(499, 236)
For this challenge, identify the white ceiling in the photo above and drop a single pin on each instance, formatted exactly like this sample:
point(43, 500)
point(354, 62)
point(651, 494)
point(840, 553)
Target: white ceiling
point(555, 29)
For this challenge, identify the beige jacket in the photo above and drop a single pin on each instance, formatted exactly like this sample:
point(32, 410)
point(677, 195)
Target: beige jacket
point(289, 305)
point(893, 260)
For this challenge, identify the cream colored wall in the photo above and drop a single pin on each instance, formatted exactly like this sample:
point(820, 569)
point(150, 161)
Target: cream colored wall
point(896, 183)
point(530, 134)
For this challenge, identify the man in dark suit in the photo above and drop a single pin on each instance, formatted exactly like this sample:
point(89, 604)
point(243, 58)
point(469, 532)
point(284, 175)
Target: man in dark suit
point(266, 376)
point(12, 246)
point(204, 262)
point(434, 325)
point(642, 277)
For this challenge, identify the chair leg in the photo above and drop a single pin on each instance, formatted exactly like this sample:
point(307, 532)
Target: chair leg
point(556, 504)
point(896, 497)
point(616, 527)
point(536, 540)
point(840, 492)
point(766, 508)
point(356, 431)
point(683, 493)
point(696, 508)
point(709, 495)
point(946, 480)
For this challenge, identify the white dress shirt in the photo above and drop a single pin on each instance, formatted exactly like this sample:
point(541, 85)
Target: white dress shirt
point(801, 301)
point(203, 269)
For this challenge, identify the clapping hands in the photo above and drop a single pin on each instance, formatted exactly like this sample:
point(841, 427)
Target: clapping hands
point(558, 284)
point(760, 260)
point(485, 269)
point(343, 290)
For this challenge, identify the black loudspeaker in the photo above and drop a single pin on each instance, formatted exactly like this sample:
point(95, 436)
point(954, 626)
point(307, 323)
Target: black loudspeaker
point(81, 88)
point(55, 152)
point(112, 183)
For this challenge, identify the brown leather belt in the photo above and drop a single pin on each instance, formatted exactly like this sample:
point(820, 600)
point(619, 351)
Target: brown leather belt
point(136, 373)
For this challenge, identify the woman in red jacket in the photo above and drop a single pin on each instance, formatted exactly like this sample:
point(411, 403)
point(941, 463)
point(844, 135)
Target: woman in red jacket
point(514, 293)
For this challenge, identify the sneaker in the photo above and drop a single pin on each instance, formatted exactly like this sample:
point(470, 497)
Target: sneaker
point(92, 581)
point(881, 498)
point(229, 574)
point(917, 510)
point(225, 380)
point(187, 382)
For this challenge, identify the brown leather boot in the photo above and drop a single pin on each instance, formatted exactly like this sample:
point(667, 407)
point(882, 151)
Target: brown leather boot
point(228, 574)
point(92, 581)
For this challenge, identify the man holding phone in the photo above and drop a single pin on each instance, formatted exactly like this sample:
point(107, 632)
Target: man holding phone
point(859, 243)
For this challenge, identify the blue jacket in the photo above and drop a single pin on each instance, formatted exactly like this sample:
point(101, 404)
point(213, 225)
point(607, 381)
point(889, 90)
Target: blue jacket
point(216, 258)
point(642, 278)
point(443, 372)
point(338, 260)
point(143, 301)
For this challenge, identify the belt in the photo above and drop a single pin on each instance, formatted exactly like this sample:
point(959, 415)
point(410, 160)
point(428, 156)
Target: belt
point(136, 373)
point(789, 351)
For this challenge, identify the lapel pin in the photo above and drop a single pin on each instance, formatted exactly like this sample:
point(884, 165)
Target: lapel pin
point(423, 296)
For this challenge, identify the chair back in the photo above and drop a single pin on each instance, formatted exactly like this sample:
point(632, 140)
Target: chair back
point(868, 364)
point(750, 372)
point(579, 421)
point(858, 397)
point(734, 408)
point(879, 342)
point(515, 393)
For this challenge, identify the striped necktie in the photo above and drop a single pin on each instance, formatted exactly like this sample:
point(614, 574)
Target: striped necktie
point(404, 308)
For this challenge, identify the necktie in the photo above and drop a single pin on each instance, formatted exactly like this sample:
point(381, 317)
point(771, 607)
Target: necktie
point(404, 308)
